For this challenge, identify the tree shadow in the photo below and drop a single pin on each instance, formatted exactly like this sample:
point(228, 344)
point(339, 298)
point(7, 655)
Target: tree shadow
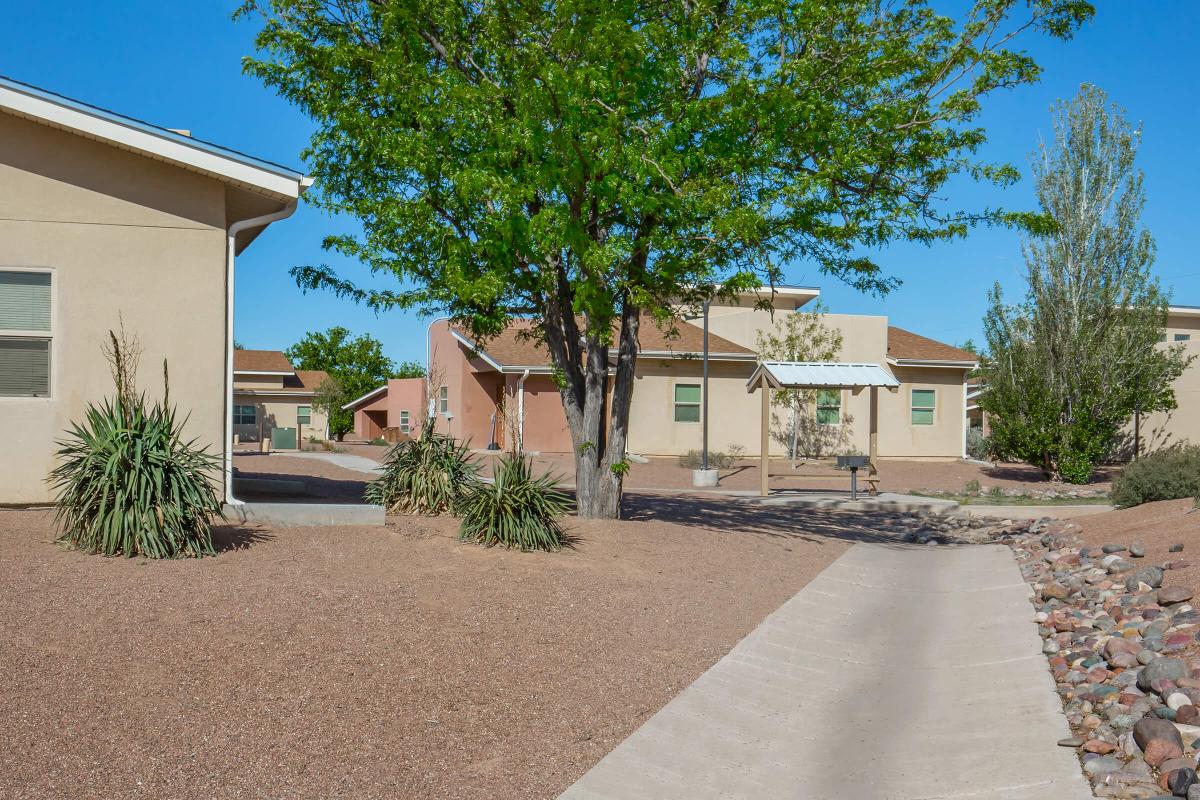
point(323, 490)
point(1026, 473)
point(736, 515)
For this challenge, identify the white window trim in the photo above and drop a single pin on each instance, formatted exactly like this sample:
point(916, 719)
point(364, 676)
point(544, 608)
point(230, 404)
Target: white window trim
point(912, 407)
point(405, 422)
point(237, 414)
point(675, 404)
point(51, 336)
point(444, 400)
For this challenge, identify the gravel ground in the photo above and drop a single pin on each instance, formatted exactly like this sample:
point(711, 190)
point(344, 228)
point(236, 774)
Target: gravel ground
point(895, 476)
point(1159, 525)
point(375, 662)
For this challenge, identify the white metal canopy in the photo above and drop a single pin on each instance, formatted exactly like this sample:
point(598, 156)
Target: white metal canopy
point(771, 375)
point(819, 375)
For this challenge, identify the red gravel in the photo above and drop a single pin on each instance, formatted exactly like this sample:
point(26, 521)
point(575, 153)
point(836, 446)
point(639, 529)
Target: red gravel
point(374, 662)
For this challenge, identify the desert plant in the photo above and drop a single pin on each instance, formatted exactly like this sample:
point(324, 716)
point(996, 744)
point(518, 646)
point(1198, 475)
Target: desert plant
point(979, 446)
point(1168, 474)
point(972, 487)
point(426, 475)
point(516, 510)
point(717, 459)
point(128, 483)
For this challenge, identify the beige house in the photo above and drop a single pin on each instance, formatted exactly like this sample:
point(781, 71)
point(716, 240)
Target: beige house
point(924, 419)
point(1183, 424)
point(274, 402)
point(104, 217)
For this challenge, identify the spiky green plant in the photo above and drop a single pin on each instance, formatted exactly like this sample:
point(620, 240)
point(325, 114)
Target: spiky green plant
point(516, 510)
point(129, 484)
point(427, 475)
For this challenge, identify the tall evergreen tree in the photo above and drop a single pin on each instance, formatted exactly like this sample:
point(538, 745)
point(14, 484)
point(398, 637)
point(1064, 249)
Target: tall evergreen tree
point(1067, 367)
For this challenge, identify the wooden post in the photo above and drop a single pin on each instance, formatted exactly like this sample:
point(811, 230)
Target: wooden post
point(874, 446)
point(764, 469)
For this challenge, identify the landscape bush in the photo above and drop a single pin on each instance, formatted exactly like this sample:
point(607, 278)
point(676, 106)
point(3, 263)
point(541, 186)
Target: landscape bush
point(717, 459)
point(516, 510)
point(1168, 474)
point(427, 475)
point(127, 482)
point(979, 447)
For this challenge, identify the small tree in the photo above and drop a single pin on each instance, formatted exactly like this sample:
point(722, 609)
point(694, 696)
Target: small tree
point(355, 366)
point(803, 337)
point(590, 165)
point(1067, 367)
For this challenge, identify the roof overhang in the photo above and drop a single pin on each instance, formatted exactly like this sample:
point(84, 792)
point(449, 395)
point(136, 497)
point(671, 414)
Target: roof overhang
point(931, 362)
point(263, 373)
point(820, 375)
point(371, 395)
point(275, 392)
point(150, 140)
point(1184, 311)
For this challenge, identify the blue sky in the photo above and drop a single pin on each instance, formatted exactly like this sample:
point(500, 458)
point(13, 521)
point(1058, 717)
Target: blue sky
point(179, 65)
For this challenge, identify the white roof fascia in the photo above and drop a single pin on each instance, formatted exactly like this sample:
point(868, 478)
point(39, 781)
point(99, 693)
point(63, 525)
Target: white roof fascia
point(367, 396)
point(929, 362)
point(140, 137)
point(820, 375)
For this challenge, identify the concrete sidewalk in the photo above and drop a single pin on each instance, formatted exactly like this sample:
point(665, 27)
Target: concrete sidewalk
point(899, 673)
point(343, 460)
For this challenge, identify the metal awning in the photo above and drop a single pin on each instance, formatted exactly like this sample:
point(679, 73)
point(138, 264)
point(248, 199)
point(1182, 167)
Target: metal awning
point(820, 375)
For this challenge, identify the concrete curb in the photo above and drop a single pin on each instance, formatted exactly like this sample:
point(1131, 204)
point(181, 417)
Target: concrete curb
point(305, 514)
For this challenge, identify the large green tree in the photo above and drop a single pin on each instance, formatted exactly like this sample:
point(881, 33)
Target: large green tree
point(1068, 366)
point(594, 165)
point(356, 365)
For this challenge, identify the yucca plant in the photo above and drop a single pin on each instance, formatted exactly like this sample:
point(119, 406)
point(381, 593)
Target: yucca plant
point(516, 510)
point(427, 475)
point(127, 482)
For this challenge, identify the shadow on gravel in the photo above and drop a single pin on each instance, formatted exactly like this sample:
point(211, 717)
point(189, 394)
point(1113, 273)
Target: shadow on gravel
point(733, 516)
point(226, 538)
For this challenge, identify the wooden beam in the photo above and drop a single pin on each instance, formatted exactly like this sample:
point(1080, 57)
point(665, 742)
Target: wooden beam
point(874, 451)
point(765, 443)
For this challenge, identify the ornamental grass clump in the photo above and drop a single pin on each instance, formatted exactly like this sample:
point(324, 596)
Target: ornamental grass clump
point(127, 482)
point(517, 510)
point(427, 475)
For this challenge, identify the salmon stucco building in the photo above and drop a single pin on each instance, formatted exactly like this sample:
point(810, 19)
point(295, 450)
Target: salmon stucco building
point(488, 392)
point(105, 220)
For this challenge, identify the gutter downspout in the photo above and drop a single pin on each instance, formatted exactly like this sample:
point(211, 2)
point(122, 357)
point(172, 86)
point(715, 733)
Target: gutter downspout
point(230, 254)
point(521, 412)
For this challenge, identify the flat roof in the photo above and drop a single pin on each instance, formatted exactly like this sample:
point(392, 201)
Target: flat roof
point(32, 102)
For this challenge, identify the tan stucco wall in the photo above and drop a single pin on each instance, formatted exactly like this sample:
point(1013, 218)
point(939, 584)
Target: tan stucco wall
point(279, 412)
point(123, 235)
point(1182, 424)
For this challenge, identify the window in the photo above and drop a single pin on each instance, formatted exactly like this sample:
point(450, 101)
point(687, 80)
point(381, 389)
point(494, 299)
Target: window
point(687, 402)
point(26, 320)
point(1162, 337)
point(444, 400)
point(244, 415)
point(829, 407)
point(922, 406)
point(404, 424)
point(1183, 337)
point(303, 415)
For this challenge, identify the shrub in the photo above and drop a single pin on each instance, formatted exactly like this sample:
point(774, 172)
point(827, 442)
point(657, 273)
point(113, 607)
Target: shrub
point(517, 510)
point(979, 447)
point(379, 440)
point(717, 459)
point(972, 487)
point(1168, 474)
point(129, 484)
point(427, 475)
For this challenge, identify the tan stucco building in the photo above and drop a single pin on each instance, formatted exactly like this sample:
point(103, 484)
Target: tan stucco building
point(104, 218)
point(1183, 424)
point(924, 419)
point(273, 402)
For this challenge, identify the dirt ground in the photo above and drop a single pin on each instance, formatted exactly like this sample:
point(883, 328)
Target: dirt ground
point(323, 482)
point(895, 476)
point(1160, 525)
point(375, 662)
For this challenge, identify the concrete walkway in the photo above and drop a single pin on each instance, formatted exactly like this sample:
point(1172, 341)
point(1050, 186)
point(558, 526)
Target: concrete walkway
point(899, 673)
point(343, 460)
point(1059, 511)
